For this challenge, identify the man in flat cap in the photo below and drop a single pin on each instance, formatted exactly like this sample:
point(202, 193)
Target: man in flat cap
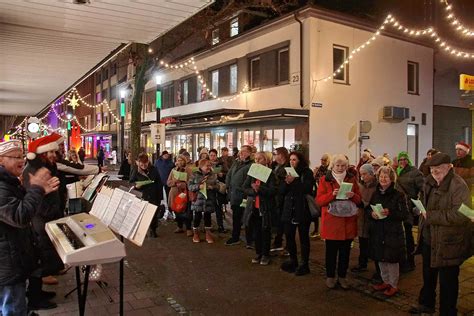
point(17, 207)
point(444, 236)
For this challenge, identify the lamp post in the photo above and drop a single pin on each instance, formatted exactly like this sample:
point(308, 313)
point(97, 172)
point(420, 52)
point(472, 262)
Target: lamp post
point(69, 116)
point(123, 93)
point(158, 80)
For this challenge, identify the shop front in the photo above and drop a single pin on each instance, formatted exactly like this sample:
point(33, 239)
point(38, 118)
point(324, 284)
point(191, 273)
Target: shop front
point(92, 142)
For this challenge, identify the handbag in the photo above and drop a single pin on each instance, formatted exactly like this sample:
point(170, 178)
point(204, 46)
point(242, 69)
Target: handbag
point(180, 203)
point(312, 206)
point(343, 208)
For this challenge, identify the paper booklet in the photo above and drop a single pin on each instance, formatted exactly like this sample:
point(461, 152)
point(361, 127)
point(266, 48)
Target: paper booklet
point(259, 172)
point(343, 189)
point(419, 206)
point(466, 211)
point(378, 208)
point(180, 176)
point(292, 172)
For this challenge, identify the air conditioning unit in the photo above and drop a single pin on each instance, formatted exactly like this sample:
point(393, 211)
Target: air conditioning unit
point(395, 113)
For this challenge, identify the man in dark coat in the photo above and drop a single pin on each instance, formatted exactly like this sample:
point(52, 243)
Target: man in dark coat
point(164, 165)
point(234, 180)
point(444, 236)
point(463, 164)
point(17, 207)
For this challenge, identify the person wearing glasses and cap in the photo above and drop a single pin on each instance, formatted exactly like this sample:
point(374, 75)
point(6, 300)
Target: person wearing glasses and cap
point(17, 208)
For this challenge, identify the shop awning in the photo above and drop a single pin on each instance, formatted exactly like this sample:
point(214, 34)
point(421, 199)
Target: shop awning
point(99, 133)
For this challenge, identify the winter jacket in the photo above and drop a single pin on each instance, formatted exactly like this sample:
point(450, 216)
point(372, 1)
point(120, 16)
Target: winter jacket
point(448, 231)
point(153, 192)
point(334, 227)
point(280, 175)
point(203, 204)
point(176, 186)
point(164, 167)
point(235, 179)
point(266, 194)
point(410, 182)
point(49, 210)
point(363, 217)
point(17, 207)
point(386, 236)
point(295, 205)
point(464, 167)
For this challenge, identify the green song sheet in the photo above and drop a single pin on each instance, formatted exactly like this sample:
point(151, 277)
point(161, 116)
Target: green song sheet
point(291, 172)
point(180, 176)
point(466, 211)
point(378, 208)
point(244, 203)
point(343, 189)
point(217, 169)
point(419, 206)
point(140, 184)
point(204, 190)
point(259, 172)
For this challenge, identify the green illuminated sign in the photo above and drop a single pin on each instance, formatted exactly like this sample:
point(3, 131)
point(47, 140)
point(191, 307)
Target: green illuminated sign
point(158, 99)
point(69, 125)
point(122, 109)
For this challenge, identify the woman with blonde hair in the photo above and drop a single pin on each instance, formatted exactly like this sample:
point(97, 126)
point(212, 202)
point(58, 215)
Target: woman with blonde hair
point(386, 234)
point(338, 218)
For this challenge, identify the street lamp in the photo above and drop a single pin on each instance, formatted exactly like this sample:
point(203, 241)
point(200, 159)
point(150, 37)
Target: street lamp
point(158, 80)
point(68, 116)
point(123, 94)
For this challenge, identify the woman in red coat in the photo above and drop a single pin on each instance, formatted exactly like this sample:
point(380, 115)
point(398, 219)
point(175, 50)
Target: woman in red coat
point(338, 218)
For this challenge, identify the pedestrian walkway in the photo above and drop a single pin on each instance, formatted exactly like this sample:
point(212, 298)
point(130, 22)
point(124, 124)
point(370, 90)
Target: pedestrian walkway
point(170, 275)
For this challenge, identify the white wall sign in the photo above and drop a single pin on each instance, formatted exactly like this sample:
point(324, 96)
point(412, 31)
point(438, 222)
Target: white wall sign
point(157, 133)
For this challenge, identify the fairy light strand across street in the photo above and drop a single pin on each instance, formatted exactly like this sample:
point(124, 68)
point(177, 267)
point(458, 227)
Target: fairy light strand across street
point(455, 23)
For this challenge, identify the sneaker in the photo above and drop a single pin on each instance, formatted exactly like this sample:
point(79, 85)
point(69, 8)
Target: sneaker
point(256, 260)
point(381, 286)
point(331, 282)
point(391, 291)
point(314, 235)
point(421, 309)
point(344, 283)
point(288, 266)
point(232, 242)
point(302, 270)
point(265, 261)
point(359, 268)
point(276, 248)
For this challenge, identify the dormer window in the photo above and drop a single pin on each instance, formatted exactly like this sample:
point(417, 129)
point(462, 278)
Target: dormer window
point(234, 27)
point(215, 36)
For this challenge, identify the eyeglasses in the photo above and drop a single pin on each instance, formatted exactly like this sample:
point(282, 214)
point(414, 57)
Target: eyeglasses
point(14, 157)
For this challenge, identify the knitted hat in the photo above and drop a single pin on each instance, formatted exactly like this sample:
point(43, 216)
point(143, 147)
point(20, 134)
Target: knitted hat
point(368, 168)
point(204, 151)
point(463, 146)
point(402, 154)
point(42, 145)
point(9, 146)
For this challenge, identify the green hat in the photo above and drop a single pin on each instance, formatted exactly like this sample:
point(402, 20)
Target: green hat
point(403, 154)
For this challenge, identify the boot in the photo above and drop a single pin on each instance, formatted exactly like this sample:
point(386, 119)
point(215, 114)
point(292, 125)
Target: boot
point(36, 299)
point(196, 237)
point(189, 233)
point(209, 236)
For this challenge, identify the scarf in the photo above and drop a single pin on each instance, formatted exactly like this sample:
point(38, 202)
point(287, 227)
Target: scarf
point(339, 176)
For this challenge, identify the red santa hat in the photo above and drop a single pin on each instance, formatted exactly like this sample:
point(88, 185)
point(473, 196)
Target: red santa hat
point(42, 145)
point(463, 146)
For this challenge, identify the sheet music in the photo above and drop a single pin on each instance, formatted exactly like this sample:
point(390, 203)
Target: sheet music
point(122, 210)
point(132, 218)
point(100, 205)
point(93, 186)
point(112, 206)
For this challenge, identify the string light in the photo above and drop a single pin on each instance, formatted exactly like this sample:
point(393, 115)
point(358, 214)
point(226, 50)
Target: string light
point(454, 21)
point(85, 129)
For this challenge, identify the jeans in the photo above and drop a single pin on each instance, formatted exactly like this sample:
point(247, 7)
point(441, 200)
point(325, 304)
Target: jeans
point(333, 248)
point(263, 235)
point(448, 285)
point(13, 299)
point(207, 219)
point(303, 233)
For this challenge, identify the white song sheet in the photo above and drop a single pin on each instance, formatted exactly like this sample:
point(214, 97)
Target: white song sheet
point(122, 210)
point(132, 218)
point(112, 206)
point(100, 205)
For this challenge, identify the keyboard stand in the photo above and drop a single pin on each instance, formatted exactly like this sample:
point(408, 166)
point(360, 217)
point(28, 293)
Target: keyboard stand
point(82, 289)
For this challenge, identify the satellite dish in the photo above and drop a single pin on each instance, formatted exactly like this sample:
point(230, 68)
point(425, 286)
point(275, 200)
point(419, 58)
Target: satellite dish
point(365, 127)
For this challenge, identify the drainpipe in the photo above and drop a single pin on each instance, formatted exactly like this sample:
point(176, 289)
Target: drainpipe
point(301, 58)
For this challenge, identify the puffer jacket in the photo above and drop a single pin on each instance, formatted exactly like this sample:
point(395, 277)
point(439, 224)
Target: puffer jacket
point(363, 217)
point(386, 236)
point(295, 205)
point(203, 204)
point(450, 232)
point(334, 227)
point(17, 207)
point(235, 178)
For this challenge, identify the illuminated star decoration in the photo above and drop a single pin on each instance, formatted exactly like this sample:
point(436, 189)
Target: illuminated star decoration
point(73, 102)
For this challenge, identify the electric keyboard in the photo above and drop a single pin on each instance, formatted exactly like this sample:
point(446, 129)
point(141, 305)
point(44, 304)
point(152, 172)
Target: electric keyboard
point(82, 239)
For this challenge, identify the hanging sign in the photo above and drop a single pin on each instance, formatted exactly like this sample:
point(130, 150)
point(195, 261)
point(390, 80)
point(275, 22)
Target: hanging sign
point(157, 133)
point(466, 82)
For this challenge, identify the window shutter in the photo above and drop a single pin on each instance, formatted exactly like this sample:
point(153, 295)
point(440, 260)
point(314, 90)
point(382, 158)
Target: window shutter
point(224, 81)
point(268, 68)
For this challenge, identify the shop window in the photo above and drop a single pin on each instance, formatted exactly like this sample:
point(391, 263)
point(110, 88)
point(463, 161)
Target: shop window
point(413, 77)
point(289, 137)
point(185, 92)
point(99, 118)
point(255, 73)
point(277, 138)
point(199, 91)
point(339, 55)
point(168, 96)
point(215, 82)
point(106, 118)
point(283, 66)
point(215, 36)
point(150, 101)
point(233, 79)
point(234, 27)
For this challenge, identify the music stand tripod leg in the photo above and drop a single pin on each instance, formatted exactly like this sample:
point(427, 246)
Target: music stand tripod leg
point(78, 287)
point(84, 290)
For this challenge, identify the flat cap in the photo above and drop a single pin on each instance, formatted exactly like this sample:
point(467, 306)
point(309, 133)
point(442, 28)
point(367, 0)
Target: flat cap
point(438, 159)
